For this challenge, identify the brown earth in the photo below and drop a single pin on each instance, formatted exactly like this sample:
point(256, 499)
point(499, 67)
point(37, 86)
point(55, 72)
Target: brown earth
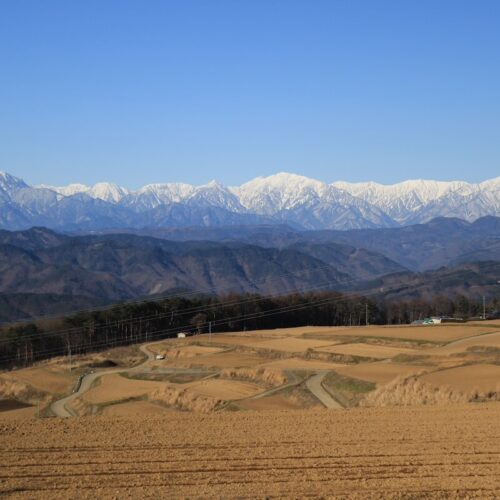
point(289, 344)
point(224, 389)
point(135, 409)
point(302, 364)
point(468, 378)
point(379, 373)
point(114, 387)
point(51, 378)
point(434, 353)
point(367, 350)
point(418, 452)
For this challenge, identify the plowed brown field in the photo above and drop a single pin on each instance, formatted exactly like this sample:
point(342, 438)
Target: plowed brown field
point(363, 453)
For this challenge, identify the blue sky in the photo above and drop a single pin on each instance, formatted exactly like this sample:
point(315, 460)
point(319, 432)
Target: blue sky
point(153, 91)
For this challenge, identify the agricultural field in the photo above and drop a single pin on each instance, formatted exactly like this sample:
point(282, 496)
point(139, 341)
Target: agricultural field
point(420, 452)
point(357, 412)
point(268, 369)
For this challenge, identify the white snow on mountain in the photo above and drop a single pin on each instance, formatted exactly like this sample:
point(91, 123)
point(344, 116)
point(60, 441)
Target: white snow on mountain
point(105, 191)
point(419, 200)
point(283, 197)
point(267, 195)
point(154, 195)
point(9, 182)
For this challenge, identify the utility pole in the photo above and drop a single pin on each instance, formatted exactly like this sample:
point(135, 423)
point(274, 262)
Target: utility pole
point(210, 330)
point(366, 313)
point(484, 307)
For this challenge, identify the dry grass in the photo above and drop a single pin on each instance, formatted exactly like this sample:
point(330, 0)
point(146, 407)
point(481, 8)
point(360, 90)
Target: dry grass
point(19, 391)
point(406, 391)
point(347, 391)
point(182, 399)
point(50, 378)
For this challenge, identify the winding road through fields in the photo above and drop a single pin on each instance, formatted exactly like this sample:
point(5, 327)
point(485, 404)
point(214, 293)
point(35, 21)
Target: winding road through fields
point(62, 408)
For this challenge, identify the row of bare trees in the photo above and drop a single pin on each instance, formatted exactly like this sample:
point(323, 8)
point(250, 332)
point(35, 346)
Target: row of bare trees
point(22, 345)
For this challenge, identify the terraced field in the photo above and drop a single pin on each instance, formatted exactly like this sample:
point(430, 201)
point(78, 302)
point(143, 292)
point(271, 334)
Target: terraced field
point(360, 453)
point(269, 369)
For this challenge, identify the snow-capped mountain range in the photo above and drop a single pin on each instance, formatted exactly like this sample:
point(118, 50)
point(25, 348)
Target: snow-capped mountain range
point(282, 198)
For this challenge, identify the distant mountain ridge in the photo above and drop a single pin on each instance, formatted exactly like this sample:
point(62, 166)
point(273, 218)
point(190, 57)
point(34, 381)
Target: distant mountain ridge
point(284, 198)
point(44, 272)
point(443, 241)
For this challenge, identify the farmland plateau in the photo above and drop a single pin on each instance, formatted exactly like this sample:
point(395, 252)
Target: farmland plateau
point(323, 411)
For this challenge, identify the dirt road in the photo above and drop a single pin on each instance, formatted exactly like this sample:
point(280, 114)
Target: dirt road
point(62, 407)
point(315, 386)
point(417, 452)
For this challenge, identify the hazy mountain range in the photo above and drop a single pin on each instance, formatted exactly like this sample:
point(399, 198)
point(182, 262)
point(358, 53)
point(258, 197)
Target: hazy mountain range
point(44, 272)
point(297, 201)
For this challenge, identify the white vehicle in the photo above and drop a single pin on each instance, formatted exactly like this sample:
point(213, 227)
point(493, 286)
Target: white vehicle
point(160, 356)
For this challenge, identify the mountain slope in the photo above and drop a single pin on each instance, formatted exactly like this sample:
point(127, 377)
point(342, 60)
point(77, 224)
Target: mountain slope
point(121, 267)
point(421, 246)
point(284, 198)
point(472, 279)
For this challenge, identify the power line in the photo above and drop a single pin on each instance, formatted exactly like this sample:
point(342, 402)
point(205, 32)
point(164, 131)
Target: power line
point(122, 322)
point(199, 291)
point(162, 332)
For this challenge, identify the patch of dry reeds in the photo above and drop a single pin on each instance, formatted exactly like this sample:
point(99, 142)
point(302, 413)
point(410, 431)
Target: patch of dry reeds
point(407, 391)
point(14, 389)
point(185, 400)
point(266, 376)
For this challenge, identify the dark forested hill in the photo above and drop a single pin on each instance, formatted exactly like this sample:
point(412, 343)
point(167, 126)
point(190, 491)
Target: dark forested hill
point(118, 267)
point(440, 242)
point(38, 265)
point(468, 279)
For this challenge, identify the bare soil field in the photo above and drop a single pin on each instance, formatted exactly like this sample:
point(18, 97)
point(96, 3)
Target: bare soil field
point(302, 364)
point(135, 409)
point(189, 351)
point(114, 387)
point(288, 344)
point(276, 402)
point(18, 413)
point(435, 452)
point(431, 333)
point(49, 378)
point(379, 373)
point(224, 389)
point(367, 350)
point(483, 377)
point(224, 360)
point(488, 339)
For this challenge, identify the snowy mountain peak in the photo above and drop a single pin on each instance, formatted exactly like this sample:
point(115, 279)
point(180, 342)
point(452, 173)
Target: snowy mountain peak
point(8, 182)
point(107, 191)
point(283, 198)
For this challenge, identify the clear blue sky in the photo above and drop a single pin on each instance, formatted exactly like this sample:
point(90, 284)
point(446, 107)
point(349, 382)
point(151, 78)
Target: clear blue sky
point(153, 91)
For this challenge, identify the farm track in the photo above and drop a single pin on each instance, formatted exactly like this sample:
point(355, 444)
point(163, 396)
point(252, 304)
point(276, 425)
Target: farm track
point(62, 407)
point(315, 386)
point(440, 452)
